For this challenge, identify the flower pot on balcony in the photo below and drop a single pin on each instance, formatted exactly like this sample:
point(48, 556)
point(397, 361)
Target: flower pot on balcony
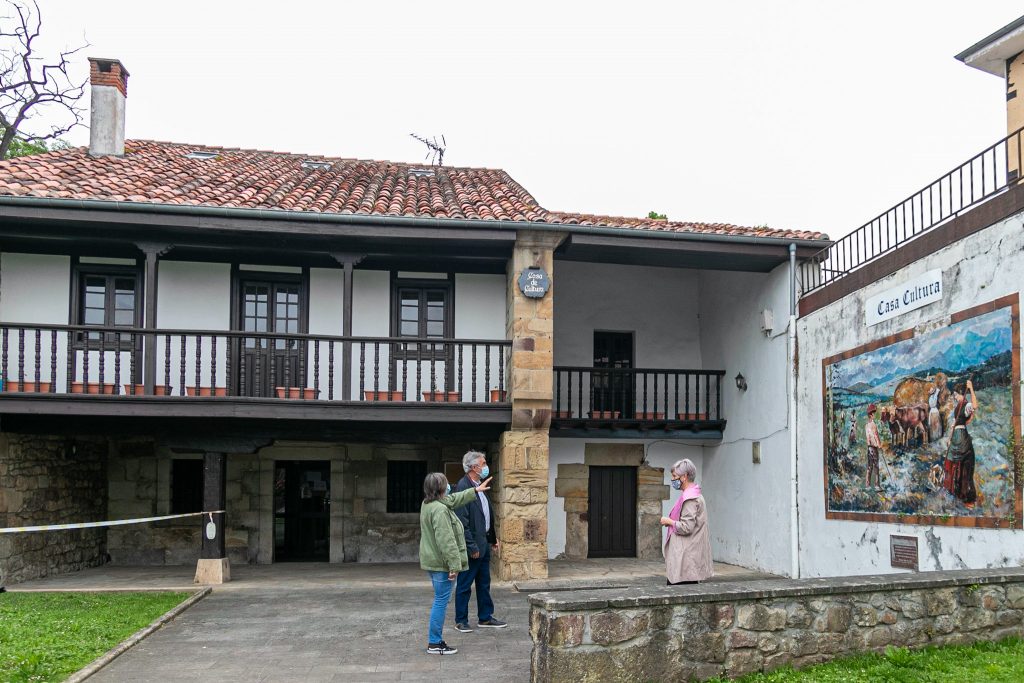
point(693, 417)
point(439, 396)
point(206, 391)
point(309, 393)
point(649, 415)
point(27, 387)
point(561, 414)
point(140, 390)
point(604, 414)
point(384, 395)
point(498, 395)
point(92, 388)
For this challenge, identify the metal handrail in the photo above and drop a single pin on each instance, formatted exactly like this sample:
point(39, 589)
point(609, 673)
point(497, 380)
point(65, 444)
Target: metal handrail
point(981, 177)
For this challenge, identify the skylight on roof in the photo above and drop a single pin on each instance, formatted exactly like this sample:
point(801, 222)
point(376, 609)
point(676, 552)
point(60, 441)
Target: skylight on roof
point(318, 165)
point(421, 172)
point(202, 155)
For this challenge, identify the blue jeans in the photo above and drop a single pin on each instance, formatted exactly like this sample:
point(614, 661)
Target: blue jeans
point(479, 572)
point(442, 594)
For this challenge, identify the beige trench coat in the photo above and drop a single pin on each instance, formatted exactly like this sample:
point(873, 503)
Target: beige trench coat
point(688, 551)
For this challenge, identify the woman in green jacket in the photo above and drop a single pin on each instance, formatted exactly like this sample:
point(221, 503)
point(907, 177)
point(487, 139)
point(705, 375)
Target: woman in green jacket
point(443, 548)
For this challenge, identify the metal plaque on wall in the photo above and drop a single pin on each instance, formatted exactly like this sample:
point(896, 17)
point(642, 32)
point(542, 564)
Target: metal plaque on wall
point(534, 282)
point(903, 552)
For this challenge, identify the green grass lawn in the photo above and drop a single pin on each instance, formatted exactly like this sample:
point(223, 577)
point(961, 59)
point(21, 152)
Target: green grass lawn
point(49, 636)
point(982, 662)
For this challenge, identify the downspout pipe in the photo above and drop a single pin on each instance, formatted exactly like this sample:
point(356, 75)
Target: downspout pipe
point(794, 510)
point(271, 215)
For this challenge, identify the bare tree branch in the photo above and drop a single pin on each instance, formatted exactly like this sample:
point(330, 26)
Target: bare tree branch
point(32, 87)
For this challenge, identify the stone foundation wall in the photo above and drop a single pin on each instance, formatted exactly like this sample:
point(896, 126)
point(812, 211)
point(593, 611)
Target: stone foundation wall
point(51, 480)
point(710, 630)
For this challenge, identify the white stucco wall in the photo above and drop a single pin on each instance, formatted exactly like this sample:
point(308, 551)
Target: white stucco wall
point(480, 314)
point(197, 296)
point(748, 503)
point(35, 288)
point(660, 453)
point(978, 269)
point(326, 316)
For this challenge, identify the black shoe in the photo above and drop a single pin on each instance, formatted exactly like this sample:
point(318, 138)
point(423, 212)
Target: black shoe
point(463, 627)
point(493, 623)
point(441, 648)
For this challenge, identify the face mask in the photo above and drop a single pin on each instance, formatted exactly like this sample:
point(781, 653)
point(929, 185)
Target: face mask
point(676, 484)
point(448, 491)
point(485, 472)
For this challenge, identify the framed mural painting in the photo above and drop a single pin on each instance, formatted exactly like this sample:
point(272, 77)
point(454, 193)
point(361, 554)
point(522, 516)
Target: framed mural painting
point(923, 427)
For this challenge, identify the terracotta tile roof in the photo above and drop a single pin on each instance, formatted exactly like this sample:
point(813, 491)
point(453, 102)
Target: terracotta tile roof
point(161, 172)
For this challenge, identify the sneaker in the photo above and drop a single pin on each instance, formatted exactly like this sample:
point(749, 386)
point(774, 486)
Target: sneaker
point(493, 623)
point(463, 628)
point(441, 648)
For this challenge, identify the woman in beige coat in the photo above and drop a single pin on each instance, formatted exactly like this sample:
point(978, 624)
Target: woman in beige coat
point(687, 542)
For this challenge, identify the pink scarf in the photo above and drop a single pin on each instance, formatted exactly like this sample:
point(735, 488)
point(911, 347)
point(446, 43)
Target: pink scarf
point(677, 509)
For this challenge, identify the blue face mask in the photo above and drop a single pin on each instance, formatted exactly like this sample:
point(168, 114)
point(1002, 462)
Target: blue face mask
point(485, 472)
point(676, 484)
point(448, 491)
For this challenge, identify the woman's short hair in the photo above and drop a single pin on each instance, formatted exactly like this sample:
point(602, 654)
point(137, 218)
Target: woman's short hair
point(434, 487)
point(470, 458)
point(685, 468)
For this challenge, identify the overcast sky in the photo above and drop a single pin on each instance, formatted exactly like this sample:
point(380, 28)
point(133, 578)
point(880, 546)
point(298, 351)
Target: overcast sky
point(811, 115)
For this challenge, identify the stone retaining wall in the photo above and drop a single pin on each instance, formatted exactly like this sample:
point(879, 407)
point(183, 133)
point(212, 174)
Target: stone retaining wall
point(51, 480)
point(699, 632)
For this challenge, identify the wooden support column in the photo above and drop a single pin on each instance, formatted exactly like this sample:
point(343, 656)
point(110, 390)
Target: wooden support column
point(348, 263)
point(522, 491)
point(153, 252)
point(213, 566)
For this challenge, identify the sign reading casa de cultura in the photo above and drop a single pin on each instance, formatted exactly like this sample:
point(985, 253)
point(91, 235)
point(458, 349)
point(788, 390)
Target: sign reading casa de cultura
point(534, 282)
point(911, 295)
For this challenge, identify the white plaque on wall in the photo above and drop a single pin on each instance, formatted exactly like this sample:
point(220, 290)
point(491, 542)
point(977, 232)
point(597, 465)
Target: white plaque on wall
point(922, 290)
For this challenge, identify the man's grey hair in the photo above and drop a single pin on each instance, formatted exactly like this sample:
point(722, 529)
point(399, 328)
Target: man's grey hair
point(470, 458)
point(685, 468)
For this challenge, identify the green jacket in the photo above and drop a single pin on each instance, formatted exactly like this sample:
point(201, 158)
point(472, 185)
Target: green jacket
point(442, 538)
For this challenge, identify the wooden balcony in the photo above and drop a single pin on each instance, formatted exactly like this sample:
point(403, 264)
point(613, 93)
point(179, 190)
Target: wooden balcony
point(637, 402)
point(92, 370)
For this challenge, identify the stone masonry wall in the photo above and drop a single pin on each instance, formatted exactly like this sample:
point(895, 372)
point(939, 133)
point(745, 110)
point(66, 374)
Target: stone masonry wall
point(51, 480)
point(733, 629)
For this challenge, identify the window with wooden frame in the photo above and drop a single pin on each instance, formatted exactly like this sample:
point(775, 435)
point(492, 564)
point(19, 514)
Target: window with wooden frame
point(107, 296)
point(186, 486)
point(422, 309)
point(405, 485)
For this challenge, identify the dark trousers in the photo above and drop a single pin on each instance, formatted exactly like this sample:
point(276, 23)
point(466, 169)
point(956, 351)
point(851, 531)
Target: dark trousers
point(479, 572)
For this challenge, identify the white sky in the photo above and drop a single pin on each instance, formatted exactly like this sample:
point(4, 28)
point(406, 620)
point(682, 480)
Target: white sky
point(812, 115)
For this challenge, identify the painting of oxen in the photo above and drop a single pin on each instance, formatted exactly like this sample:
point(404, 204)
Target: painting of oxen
point(921, 425)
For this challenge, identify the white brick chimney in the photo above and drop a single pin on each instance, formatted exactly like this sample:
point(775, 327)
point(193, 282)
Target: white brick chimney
point(109, 80)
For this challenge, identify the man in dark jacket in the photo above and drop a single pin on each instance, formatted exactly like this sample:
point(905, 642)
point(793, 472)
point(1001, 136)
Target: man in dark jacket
point(478, 521)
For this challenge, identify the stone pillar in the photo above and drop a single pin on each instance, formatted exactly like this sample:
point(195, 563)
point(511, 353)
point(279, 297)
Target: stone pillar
point(1014, 115)
point(213, 566)
point(522, 494)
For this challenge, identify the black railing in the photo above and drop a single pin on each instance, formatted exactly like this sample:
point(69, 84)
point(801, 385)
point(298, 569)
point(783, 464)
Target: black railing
point(586, 393)
point(82, 359)
point(985, 174)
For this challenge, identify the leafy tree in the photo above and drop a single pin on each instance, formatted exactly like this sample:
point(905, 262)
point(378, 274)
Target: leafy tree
point(654, 215)
point(24, 148)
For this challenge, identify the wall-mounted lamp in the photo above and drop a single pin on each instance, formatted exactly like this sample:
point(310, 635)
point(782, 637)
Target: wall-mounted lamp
point(741, 382)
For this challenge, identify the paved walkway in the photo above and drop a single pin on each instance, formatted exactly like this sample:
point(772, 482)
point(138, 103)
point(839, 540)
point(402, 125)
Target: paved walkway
point(319, 622)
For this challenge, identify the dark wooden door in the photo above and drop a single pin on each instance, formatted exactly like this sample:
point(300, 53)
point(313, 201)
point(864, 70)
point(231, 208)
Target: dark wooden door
point(269, 306)
point(612, 512)
point(613, 391)
point(302, 510)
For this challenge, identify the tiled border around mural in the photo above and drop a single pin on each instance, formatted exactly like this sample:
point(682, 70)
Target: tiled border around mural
point(915, 388)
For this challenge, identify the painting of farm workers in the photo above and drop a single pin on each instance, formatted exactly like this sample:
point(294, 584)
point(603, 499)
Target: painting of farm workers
point(924, 426)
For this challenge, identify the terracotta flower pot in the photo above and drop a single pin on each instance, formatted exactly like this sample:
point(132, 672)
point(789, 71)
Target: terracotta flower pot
point(92, 388)
point(384, 395)
point(561, 414)
point(294, 392)
point(140, 390)
point(693, 417)
point(498, 395)
point(27, 387)
point(604, 414)
point(439, 396)
point(649, 415)
point(206, 391)
point(309, 393)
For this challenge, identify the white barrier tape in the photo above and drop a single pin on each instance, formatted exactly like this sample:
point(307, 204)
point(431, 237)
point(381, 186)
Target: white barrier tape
point(93, 525)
